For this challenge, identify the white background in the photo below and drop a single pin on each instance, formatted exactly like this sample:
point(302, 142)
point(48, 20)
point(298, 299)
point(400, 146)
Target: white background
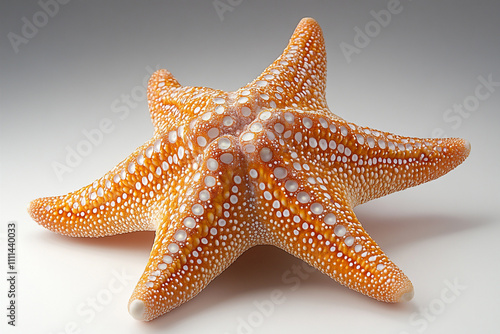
point(68, 76)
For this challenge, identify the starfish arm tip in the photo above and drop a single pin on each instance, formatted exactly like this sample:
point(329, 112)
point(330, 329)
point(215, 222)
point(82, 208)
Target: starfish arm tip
point(137, 309)
point(31, 208)
point(467, 146)
point(308, 19)
point(38, 210)
point(407, 296)
point(403, 292)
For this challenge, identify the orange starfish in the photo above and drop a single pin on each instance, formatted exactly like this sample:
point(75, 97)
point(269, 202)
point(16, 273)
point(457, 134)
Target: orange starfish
point(267, 164)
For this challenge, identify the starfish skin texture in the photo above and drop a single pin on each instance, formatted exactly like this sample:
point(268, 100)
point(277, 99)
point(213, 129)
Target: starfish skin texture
point(267, 164)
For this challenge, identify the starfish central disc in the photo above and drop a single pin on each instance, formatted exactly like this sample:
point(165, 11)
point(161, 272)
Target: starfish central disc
point(266, 164)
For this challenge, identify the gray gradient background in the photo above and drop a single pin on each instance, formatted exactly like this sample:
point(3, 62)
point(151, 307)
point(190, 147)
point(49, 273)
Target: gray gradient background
point(66, 78)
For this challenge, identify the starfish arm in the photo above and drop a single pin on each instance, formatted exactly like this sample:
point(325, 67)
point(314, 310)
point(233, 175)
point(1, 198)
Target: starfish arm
point(387, 163)
point(201, 233)
point(124, 200)
point(162, 90)
point(368, 163)
point(327, 234)
point(173, 107)
point(298, 77)
point(310, 216)
point(372, 163)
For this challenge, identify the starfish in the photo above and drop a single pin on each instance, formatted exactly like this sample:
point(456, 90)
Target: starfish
point(266, 164)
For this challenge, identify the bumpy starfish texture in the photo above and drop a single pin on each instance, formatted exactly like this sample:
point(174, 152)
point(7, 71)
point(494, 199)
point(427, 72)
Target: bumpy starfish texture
point(266, 164)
